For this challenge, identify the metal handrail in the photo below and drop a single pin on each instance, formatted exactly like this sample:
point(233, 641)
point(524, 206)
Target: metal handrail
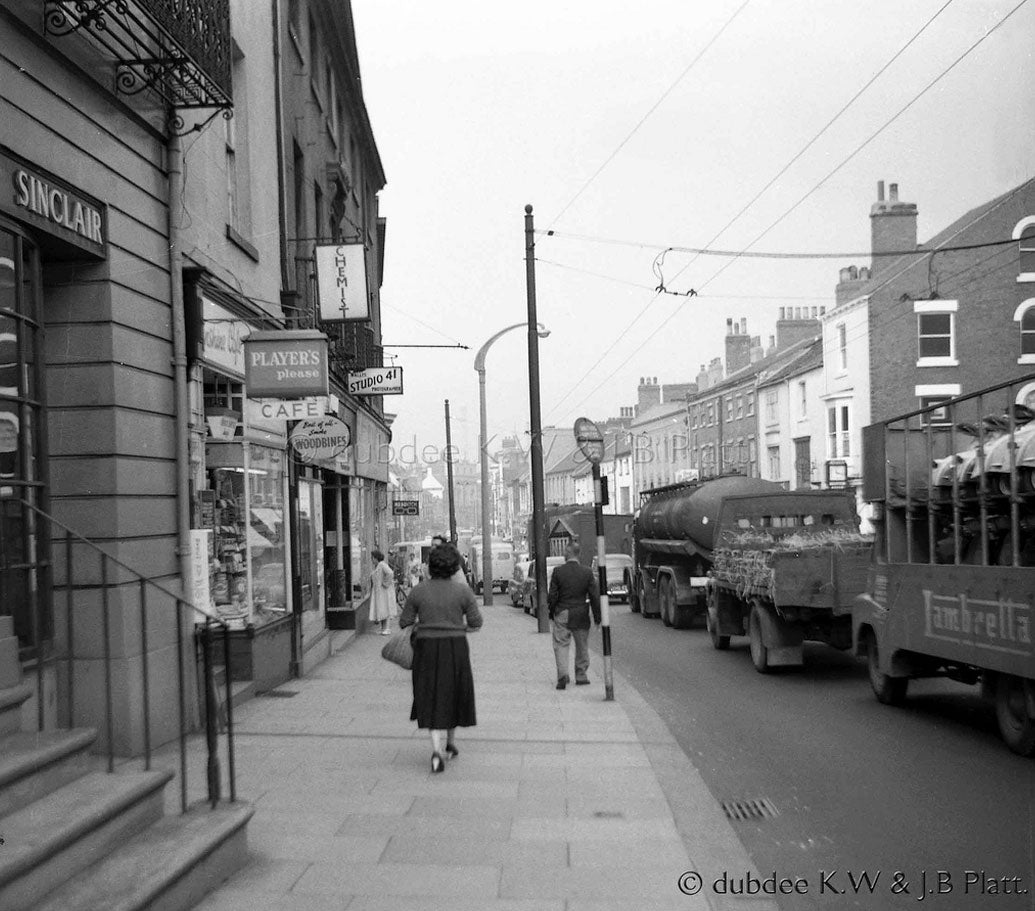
point(204, 638)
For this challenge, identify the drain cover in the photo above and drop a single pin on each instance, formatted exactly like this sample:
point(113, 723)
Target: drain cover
point(755, 808)
point(280, 694)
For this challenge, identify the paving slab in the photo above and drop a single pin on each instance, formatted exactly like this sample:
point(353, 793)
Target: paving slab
point(559, 800)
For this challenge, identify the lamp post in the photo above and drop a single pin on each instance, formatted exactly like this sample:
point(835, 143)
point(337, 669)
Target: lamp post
point(483, 445)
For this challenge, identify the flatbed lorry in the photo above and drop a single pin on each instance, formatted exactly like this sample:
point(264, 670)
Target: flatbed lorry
point(753, 559)
point(951, 589)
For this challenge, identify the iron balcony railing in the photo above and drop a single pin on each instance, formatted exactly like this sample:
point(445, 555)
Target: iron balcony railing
point(179, 49)
point(215, 716)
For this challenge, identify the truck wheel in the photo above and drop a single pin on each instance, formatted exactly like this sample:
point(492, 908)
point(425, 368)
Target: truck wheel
point(664, 604)
point(759, 653)
point(682, 615)
point(888, 690)
point(720, 643)
point(1016, 726)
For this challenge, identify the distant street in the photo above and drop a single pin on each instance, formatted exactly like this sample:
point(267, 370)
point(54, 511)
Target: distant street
point(858, 786)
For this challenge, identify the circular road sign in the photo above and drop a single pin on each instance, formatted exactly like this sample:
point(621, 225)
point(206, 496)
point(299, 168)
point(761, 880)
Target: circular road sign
point(590, 440)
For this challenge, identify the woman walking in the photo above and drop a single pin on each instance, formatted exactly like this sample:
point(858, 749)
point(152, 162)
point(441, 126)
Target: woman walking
point(443, 685)
point(382, 592)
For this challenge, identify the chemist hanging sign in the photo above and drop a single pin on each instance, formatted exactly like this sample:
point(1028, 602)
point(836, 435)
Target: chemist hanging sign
point(341, 277)
point(287, 364)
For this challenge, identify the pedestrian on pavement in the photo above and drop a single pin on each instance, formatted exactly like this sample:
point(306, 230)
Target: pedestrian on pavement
point(443, 685)
point(571, 585)
point(382, 592)
point(460, 575)
point(413, 572)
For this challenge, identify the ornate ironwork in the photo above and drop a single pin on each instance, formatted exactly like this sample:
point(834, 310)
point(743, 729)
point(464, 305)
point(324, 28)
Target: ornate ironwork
point(178, 49)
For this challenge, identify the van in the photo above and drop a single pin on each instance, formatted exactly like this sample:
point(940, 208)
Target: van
point(502, 565)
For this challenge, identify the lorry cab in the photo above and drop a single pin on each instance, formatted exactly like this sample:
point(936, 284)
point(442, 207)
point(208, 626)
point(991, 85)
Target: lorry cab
point(502, 566)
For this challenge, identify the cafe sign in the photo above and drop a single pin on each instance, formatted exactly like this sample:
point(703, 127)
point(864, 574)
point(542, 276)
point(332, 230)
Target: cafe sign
point(286, 364)
point(376, 381)
point(320, 439)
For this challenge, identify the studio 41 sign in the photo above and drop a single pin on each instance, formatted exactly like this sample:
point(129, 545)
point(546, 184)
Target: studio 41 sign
point(376, 381)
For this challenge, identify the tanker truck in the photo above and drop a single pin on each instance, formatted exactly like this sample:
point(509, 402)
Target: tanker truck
point(754, 559)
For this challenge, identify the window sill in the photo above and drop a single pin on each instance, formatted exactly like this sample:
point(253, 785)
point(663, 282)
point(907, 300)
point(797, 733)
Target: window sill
point(238, 241)
point(1026, 277)
point(1026, 359)
point(937, 362)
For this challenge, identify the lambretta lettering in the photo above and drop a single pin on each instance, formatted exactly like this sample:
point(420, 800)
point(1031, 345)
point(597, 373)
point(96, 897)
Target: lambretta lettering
point(56, 205)
point(983, 622)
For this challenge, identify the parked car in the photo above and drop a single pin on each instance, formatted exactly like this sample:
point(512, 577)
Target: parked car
point(619, 576)
point(530, 589)
point(519, 582)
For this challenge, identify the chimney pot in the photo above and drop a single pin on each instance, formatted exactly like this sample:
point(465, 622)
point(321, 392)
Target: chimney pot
point(893, 192)
point(743, 325)
point(772, 341)
point(880, 191)
point(822, 310)
point(782, 312)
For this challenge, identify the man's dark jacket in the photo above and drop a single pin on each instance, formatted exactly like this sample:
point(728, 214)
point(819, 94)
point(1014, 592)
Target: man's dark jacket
point(570, 585)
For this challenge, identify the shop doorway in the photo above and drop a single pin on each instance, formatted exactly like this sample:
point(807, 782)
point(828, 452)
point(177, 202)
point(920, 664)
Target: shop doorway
point(24, 540)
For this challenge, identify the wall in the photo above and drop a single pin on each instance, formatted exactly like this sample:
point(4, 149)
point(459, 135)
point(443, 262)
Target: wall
point(108, 358)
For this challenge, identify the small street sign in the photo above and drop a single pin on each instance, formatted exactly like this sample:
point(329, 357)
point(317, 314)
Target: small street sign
point(376, 381)
point(590, 440)
point(406, 507)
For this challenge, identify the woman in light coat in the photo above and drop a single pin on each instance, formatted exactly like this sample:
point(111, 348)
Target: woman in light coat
point(382, 592)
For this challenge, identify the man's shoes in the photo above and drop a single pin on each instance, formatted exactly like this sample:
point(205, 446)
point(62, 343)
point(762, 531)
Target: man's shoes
point(562, 682)
point(581, 681)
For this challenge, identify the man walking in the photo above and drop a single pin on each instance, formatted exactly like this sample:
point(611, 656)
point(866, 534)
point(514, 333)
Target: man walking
point(570, 587)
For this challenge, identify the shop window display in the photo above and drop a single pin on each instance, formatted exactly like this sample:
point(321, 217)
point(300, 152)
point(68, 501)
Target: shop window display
point(266, 531)
point(241, 499)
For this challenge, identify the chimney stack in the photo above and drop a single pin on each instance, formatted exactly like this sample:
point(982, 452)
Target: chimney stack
point(892, 227)
point(648, 394)
point(738, 346)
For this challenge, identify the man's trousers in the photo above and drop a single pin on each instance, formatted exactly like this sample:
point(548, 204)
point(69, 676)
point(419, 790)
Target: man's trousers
point(562, 636)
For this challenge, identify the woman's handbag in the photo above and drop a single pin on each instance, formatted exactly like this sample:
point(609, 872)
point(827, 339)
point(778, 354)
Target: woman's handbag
point(399, 649)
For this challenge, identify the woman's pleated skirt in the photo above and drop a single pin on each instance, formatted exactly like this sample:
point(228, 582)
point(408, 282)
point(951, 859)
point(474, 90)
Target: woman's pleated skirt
point(443, 685)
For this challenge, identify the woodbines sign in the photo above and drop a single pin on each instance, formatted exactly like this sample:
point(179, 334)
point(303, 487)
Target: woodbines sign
point(320, 439)
point(289, 364)
point(52, 205)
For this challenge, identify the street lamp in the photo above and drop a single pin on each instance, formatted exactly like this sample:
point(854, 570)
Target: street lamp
point(479, 365)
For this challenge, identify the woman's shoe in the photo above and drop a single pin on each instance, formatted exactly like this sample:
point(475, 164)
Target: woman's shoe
point(386, 632)
point(452, 750)
point(438, 764)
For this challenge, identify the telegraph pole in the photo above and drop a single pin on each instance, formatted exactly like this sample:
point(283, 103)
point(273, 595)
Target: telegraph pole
point(536, 428)
point(449, 479)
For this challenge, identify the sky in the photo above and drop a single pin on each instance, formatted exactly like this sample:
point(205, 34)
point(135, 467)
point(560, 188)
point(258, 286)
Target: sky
point(633, 128)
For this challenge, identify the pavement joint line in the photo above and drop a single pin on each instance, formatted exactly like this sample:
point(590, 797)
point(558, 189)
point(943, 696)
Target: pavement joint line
point(422, 736)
